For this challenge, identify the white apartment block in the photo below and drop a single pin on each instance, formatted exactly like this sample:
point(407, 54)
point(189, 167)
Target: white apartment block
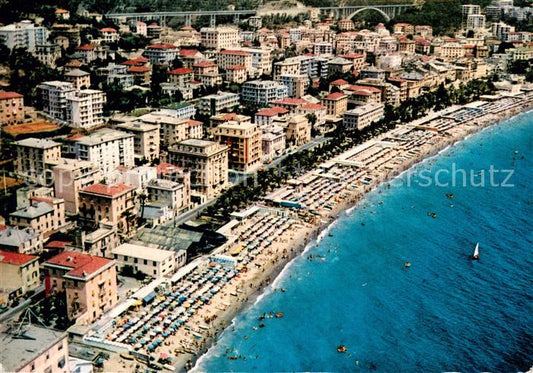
point(161, 53)
point(175, 195)
point(475, 21)
point(273, 142)
point(85, 108)
point(153, 262)
point(106, 148)
point(54, 98)
point(47, 53)
point(261, 60)
point(145, 141)
point(262, 92)
point(469, 9)
point(323, 49)
point(214, 104)
point(220, 37)
point(362, 116)
point(23, 34)
point(173, 130)
point(32, 158)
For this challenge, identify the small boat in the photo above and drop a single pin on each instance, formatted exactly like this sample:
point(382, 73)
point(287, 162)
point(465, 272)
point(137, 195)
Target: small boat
point(407, 264)
point(342, 349)
point(279, 315)
point(475, 256)
point(449, 195)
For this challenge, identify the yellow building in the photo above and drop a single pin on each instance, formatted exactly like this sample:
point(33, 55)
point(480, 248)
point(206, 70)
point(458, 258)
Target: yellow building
point(20, 273)
point(244, 142)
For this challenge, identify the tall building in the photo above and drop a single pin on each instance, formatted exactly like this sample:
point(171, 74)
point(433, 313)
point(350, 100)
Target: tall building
point(475, 21)
point(11, 108)
point(244, 142)
point(145, 141)
point(85, 108)
point(33, 156)
point(216, 103)
point(54, 98)
point(262, 92)
point(89, 284)
point(161, 53)
point(219, 37)
point(106, 148)
point(207, 162)
point(23, 34)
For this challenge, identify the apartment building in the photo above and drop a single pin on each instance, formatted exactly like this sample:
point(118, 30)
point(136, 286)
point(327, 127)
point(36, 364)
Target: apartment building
point(20, 273)
point(219, 37)
point(205, 68)
point(273, 142)
point(262, 92)
point(340, 65)
point(44, 349)
point(153, 262)
point(146, 139)
point(79, 78)
point(21, 240)
point(318, 110)
point(89, 282)
point(266, 117)
point(323, 49)
point(336, 103)
point(44, 215)
point(298, 131)
point(229, 57)
point(109, 35)
point(32, 157)
point(181, 76)
point(101, 241)
point(162, 54)
point(362, 116)
point(475, 21)
point(244, 142)
point(173, 194)
point(261, 60)
point(71, 176)
point(207, 162)
point(85, 108)
point(23, 34)
point(214, 104)
point(48, 53)
point(236, 74)
point(106, 148)
point(54, 98)
point(297, 85)
point(11, 108)
point(110, 204)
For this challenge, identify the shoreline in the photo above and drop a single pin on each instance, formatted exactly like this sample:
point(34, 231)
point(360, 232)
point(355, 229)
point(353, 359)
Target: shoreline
point(306, 241)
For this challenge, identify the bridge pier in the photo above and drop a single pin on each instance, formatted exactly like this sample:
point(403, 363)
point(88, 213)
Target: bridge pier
point(236, 19)
point(213, 22)
point(188, 20)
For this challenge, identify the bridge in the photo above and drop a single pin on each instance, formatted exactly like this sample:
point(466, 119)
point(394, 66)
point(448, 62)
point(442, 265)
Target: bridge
point(388, 11)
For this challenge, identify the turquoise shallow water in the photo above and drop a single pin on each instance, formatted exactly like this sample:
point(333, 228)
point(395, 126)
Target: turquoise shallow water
point(446, 312)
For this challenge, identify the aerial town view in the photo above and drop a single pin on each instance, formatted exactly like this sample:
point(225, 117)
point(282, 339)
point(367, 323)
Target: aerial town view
point(266, 185)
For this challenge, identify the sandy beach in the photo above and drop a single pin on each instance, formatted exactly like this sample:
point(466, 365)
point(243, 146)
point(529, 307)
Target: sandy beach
point(339, 187)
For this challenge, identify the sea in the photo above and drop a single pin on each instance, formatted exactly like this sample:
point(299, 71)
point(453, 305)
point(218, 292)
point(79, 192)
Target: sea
point(353, 287)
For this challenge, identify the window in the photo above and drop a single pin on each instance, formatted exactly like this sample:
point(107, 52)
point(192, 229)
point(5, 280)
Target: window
point(145, 261)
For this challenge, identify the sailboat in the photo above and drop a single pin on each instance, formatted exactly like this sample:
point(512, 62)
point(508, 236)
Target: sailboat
point(475, 256)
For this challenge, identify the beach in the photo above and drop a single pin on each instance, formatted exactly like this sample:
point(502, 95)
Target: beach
point(325, 193)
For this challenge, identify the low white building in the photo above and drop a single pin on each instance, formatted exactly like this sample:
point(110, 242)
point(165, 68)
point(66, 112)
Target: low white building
point(148, 260)
point(362, 116)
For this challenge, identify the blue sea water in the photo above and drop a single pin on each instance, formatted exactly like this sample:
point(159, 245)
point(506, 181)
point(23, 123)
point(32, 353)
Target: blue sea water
point(444, 313)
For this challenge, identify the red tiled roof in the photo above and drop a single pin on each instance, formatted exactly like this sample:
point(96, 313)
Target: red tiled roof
point(107, 190)
point(166, 168)
point(75, 137)
point(57, 244)
point(136, 61)
point(42, 199)
point(8, 95)
point(311, 106)
point(272, 111)
point(362, 87)
point(188, 52)
point(396, 79)
point(423, 42)
point(86, 47)
point(236, 67)
point(291, 101)
point(193, 123)
point(204, 64)
point(138, 69)
point(335, 96)
point(108, 29)
point(181, 71)
point(228, 116)
point(187, 28)
point(353, 56)
point(161, 46)
point(8, 257)
point(59, 10)
point(82, 265)
point(339, 82)
point(361, 93)
point(241, 53)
